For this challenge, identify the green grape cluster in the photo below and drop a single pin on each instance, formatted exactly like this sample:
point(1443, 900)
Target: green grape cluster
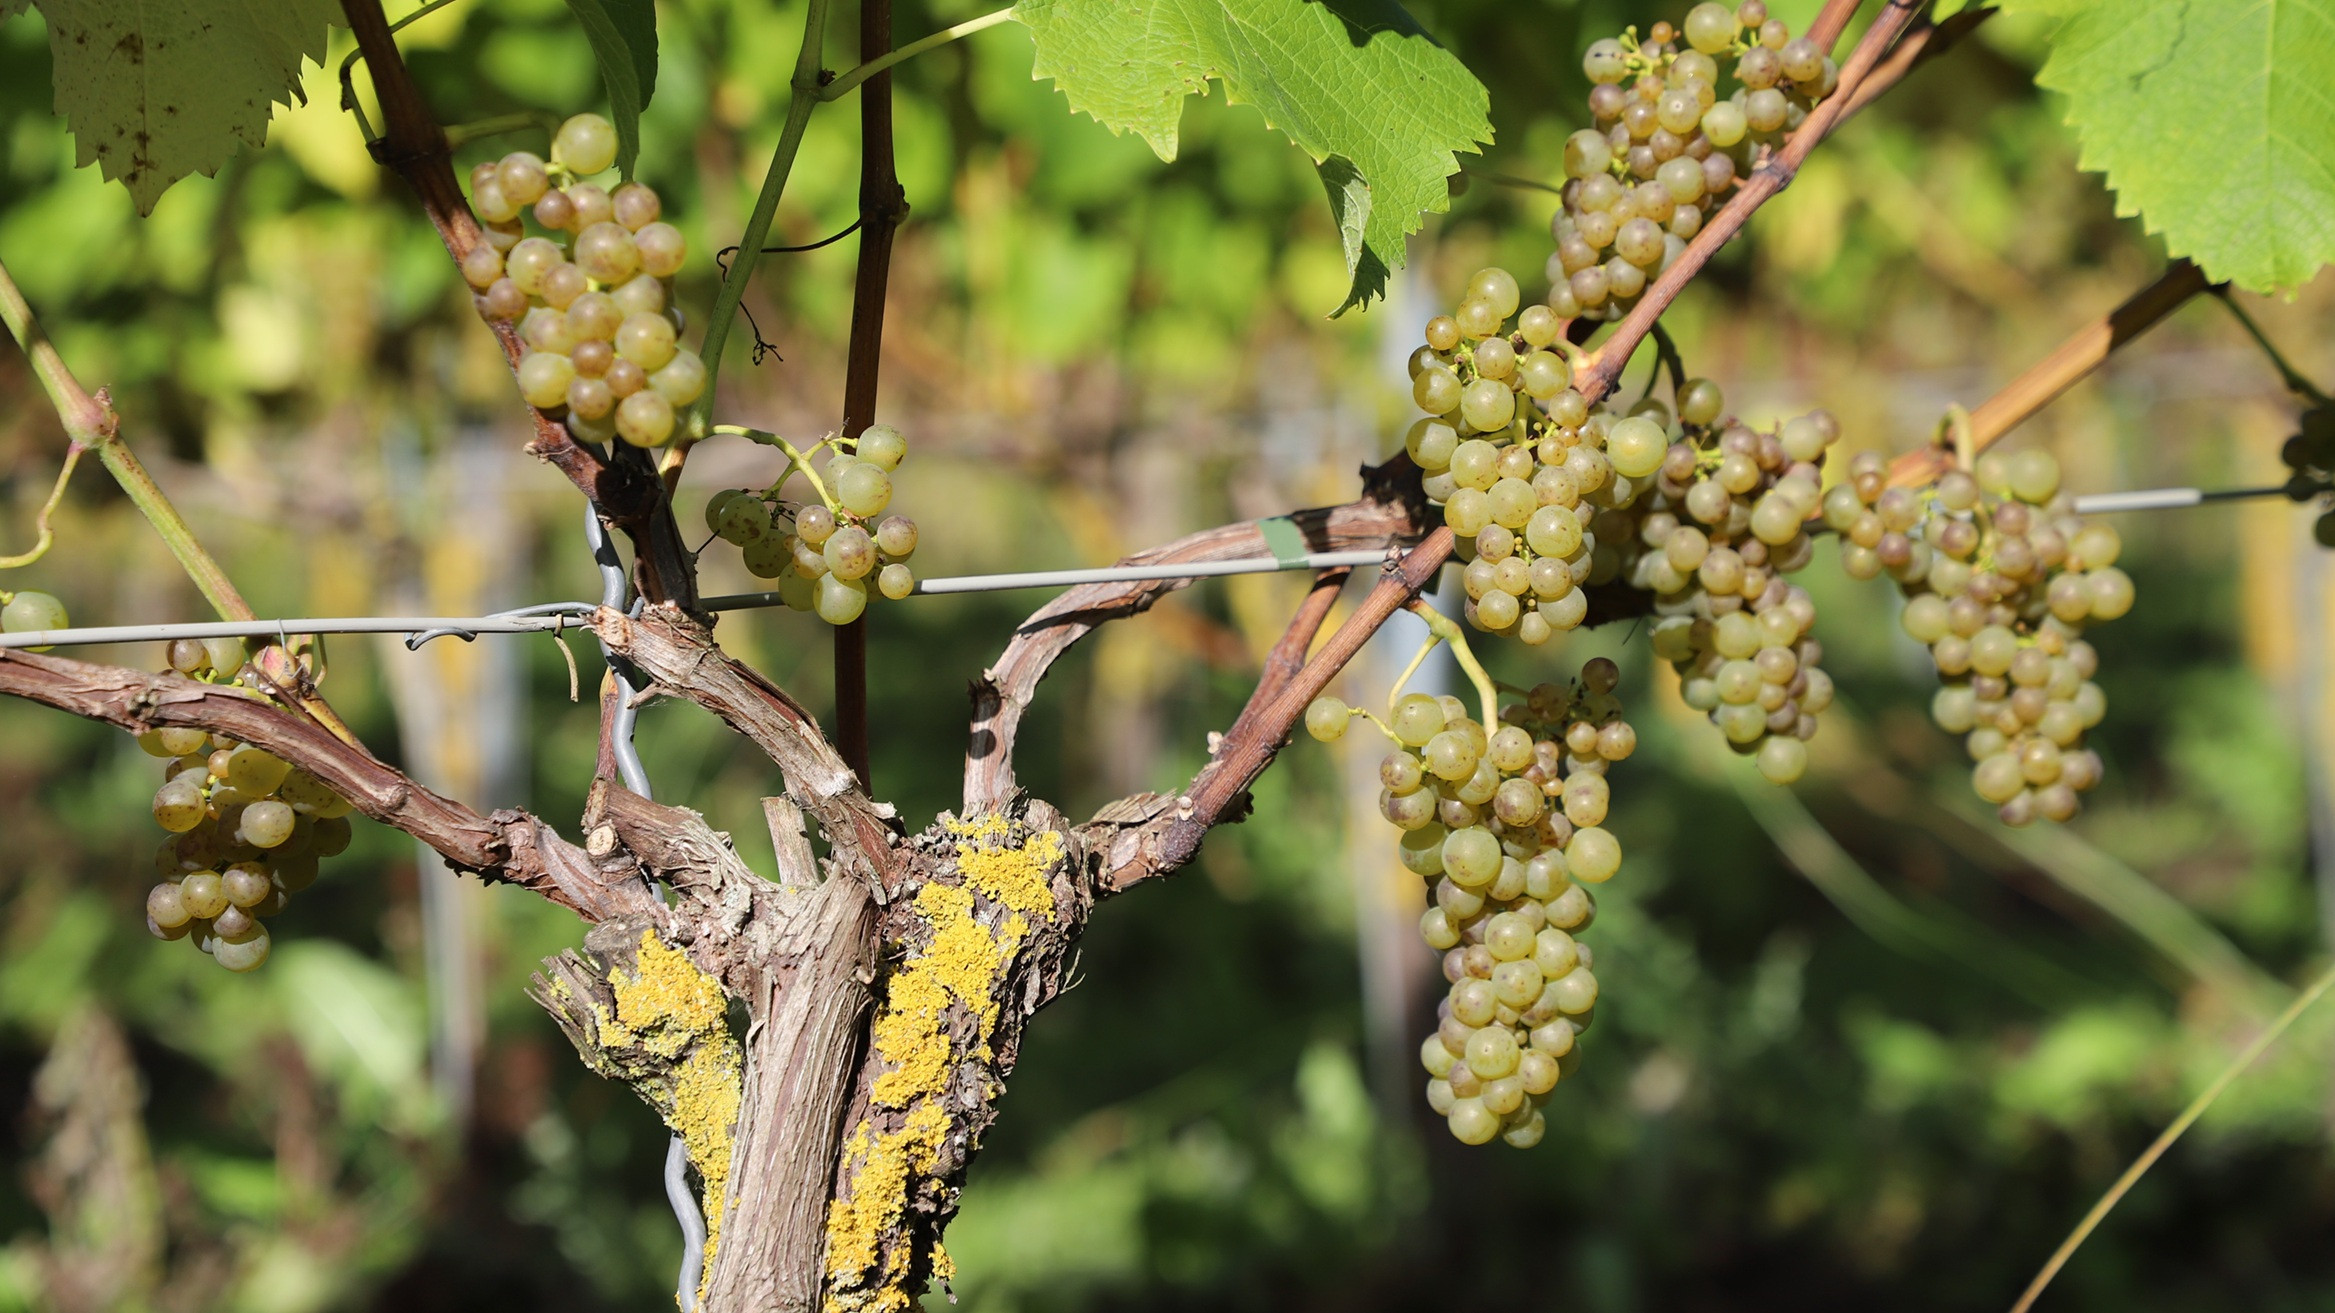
point(1667, 148)
point(2000, 577)
point(247, 829)
point(1507, 448)
point(1725, 520)
point(30, 612)
point(1507, 824)
point(827, 554)
point(592, 301)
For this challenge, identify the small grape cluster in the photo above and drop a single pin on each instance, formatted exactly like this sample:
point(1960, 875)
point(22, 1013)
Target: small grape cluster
point(1666, 148)
point(246, 828)
point(2309, 456)
point(1508, 825)
point(1508, 450)
point(824, 554)
point(28, 612)
point(603, 339)
point(1712, 540)
point(2000, 577)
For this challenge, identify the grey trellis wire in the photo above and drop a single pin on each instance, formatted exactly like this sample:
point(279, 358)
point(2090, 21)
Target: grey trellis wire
point(555, 617)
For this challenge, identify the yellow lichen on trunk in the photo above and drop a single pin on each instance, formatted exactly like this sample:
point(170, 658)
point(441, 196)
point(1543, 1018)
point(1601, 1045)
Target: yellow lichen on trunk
point(671, 1008)
point(975, 929)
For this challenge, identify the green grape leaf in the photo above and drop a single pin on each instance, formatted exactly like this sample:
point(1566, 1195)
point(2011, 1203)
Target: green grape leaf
point(1358, 85)
point(2213, 122)
point(11, 8)
point(623, 34)
point(154, 92)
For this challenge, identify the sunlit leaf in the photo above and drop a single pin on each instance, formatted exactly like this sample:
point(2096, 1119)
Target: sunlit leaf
point(1358, 85)
point(2213, 123)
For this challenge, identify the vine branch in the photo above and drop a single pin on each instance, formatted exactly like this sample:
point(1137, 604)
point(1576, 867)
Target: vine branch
point(845, 84)
point(802, 98)
point(511, 846)
point(1602, 366)
point(626, 489)
point(882, 205)
point(2067, 365)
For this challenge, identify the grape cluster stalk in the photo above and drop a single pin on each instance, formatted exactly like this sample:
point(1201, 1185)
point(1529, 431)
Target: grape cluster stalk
point(827, 554)
point(602, 335)
point(1667, 149)
point(2000, 577)
point(247, 829)
point(1506, 825)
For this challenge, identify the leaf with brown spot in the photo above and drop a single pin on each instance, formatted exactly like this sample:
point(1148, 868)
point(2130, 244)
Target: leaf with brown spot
point(153, 93)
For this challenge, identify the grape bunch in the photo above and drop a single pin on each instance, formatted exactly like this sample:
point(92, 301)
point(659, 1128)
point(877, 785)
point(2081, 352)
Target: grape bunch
point(1712, 540)
point(30, 612)
point(1508, 451)
point(2309, 456)
point(825, 554)
point(2000, 577)
point(1507, 824)
point(1666, 148)
point(247, 829)
point(592, 301)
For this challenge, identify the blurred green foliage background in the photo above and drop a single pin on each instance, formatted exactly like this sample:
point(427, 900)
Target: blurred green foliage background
point(1889, 1071)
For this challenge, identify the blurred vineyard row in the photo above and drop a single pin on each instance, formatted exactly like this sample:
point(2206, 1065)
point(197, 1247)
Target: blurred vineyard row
point(1862, 1046)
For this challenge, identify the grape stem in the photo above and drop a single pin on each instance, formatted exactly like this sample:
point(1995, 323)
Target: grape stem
point(797, 461)
point(2182, 1123)
point(882, 206)
point(850, 81)
point(624, 489)
point(2296, 382)
point(1511, 180)
point(1394, 694)
point(40, 546)
point(802, 98)
point(1383, 727)
point(462, 133)
point(1665, 353)
point(1443, 627)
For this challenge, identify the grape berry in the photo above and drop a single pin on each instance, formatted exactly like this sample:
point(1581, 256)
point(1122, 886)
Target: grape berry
point(29, 612)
